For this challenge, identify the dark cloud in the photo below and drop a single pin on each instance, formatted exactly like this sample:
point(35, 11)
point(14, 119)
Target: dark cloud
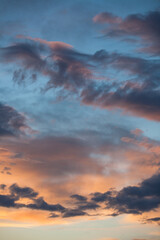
point(7, 201)
point(156, 219)
point(153, 220)
point(138, 94)
point(83, 204)
point(130, 200)
point(40, 204)
point(17, 192)
point(144, 26)
point(79, 197)
point(88, 206)
point(58, 61)
point(26, 54)
point(53, 215)
point(22, 192)
point(138, 98)
point(134, 199)
point(73, 213)
point(12, 123)
point(101, 197)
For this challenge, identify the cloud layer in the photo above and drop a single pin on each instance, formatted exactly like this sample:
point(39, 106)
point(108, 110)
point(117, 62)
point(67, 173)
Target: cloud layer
point(130, 200)
point(136, 92)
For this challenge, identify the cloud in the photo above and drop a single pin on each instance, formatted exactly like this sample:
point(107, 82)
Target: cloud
point(2, 186)
point(137, 132)
point(40, 204)
point(106, 17)
point(134, 101)
point(153, 220)
point(79, 198)
point(22, 192)
point(73, 213)
point(82, 203)
point(134, 199)
point(144, 26)
point(12, 123)
point(16, 193)
point(138, 96)
point(45, 157)
point(101, 197)
point(56, 60)
point(89, 153)
point(87, 157)
point(53, 215)
point(130, 200)
point(25, 54)
point(81, 75)
point(7, 201)
point(88, 206)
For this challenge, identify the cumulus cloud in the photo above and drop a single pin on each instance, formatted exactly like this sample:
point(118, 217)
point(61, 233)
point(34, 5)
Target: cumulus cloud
point(134, 199)
point(16, 193)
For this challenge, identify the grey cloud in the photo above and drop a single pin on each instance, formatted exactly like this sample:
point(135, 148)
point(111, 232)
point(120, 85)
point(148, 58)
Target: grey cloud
point(41, 204)
point(144, 26)
point(11, 121)
point(22, 192)
point(133, 199)
point(73, 71)
point(79, 197)
point(73, 213)
point(130, 200)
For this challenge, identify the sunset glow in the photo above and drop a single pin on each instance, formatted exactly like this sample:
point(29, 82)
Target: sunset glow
point(79, 120)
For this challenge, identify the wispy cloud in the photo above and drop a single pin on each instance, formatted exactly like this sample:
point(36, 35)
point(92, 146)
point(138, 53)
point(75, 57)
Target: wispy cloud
point(143, 26)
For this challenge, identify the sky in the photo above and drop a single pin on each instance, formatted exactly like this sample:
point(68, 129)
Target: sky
point(79, 120)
